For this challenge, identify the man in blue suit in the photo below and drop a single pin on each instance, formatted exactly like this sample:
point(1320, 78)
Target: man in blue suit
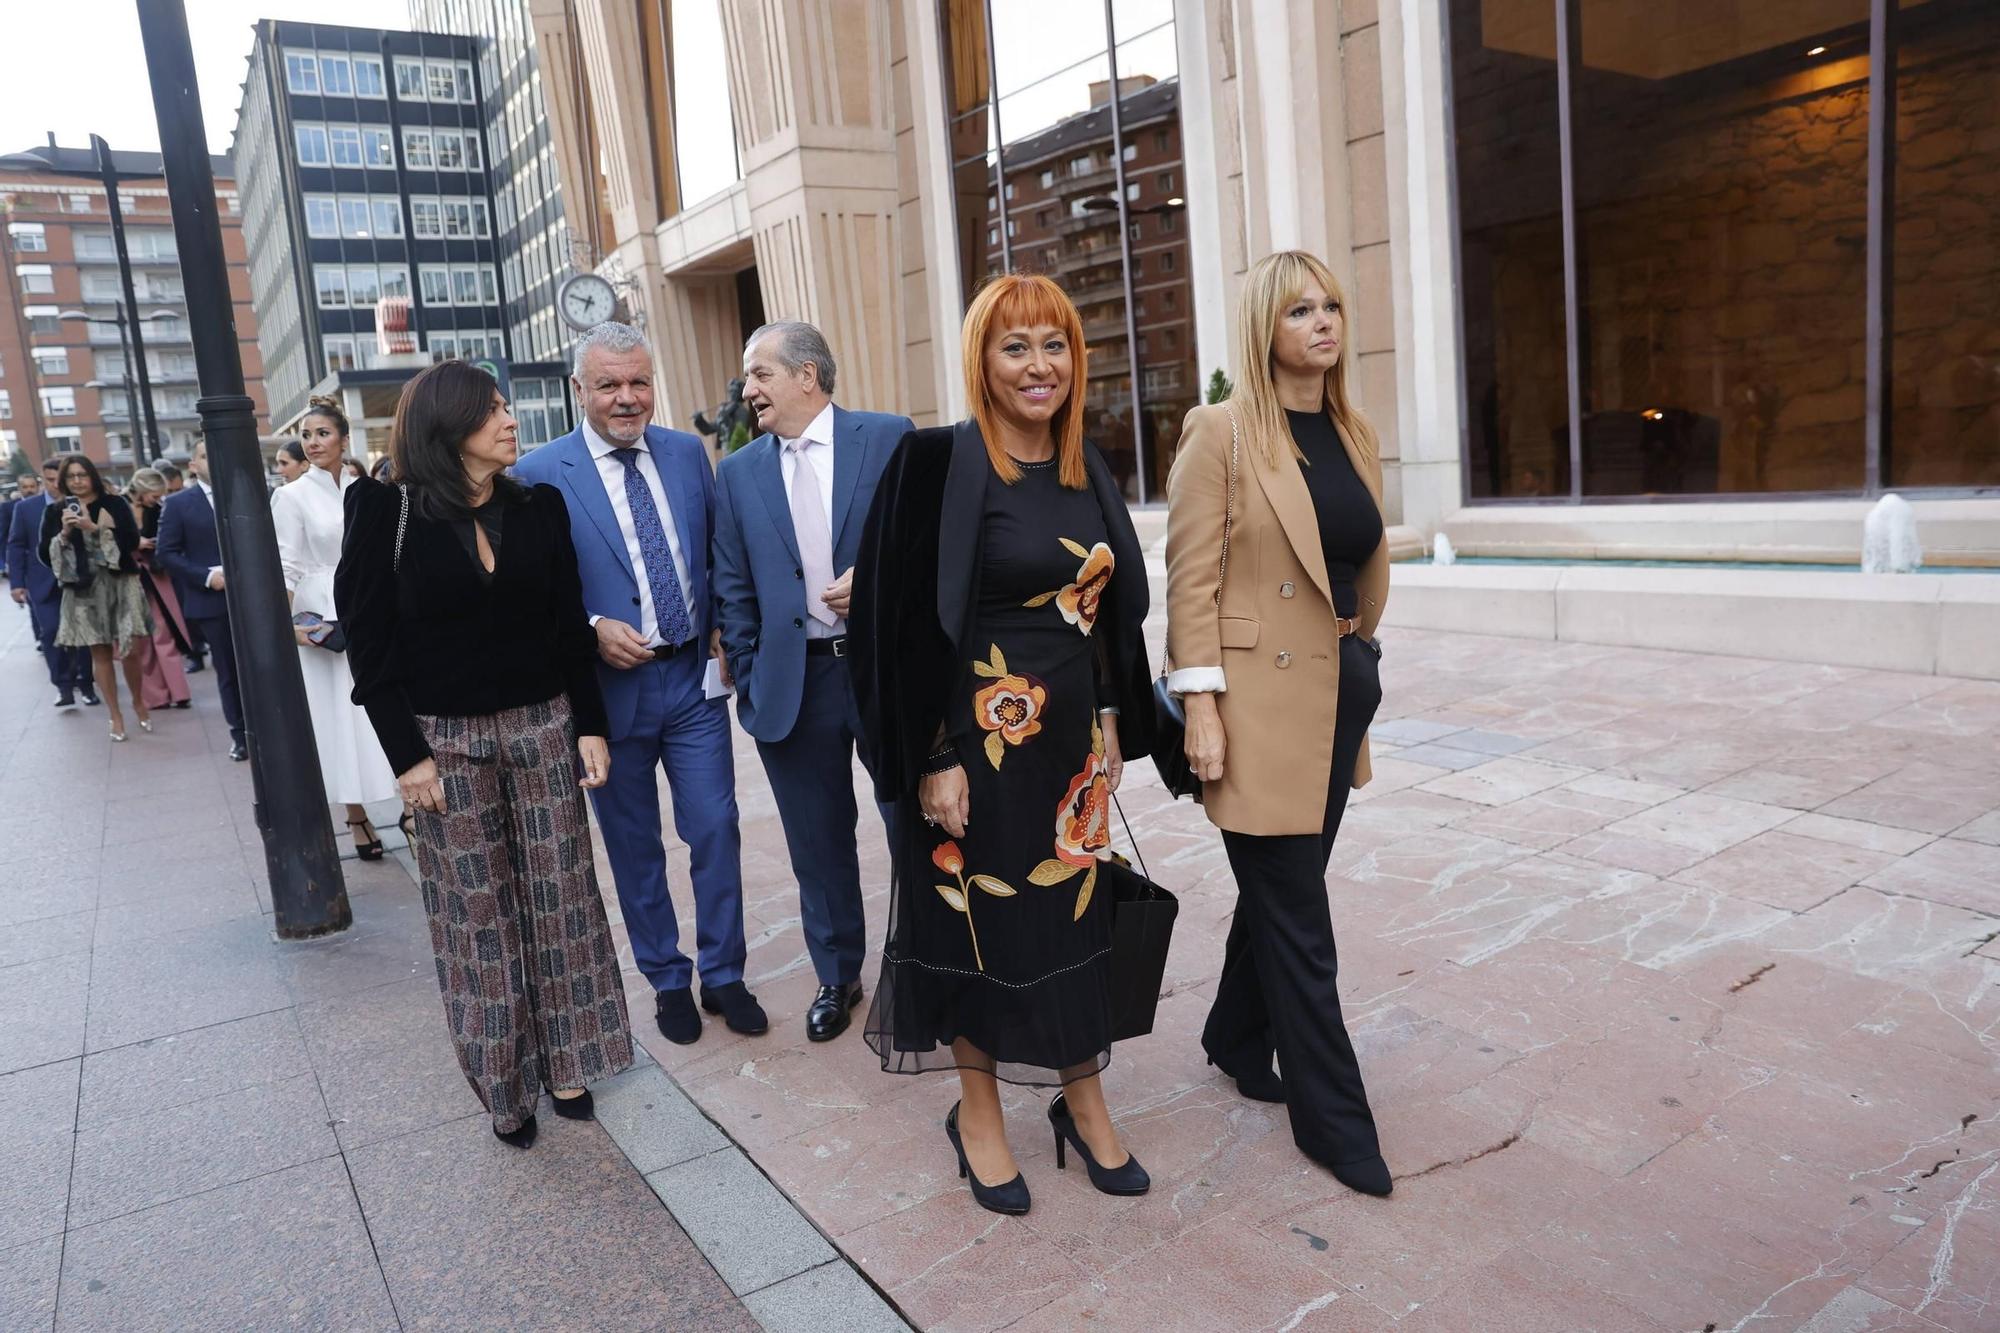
point(641, 506)
point(191, 549)
point(790, 507)
point(33, 585)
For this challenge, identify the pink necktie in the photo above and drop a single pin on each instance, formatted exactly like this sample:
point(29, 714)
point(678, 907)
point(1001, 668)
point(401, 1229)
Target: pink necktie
point(810, 526)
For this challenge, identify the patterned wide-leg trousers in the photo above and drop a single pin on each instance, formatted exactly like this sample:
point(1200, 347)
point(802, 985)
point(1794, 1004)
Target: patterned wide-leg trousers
point(525, 959)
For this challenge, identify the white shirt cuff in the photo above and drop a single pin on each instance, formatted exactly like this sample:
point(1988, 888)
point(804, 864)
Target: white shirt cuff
point(594, 620)
point(1197, 680)
point(213, 570)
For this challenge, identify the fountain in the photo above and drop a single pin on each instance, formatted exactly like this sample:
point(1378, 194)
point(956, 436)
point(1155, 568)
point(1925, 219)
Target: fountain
point(1889, 538)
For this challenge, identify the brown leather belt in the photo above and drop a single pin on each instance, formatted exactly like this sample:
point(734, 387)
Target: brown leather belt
point(1346, 626)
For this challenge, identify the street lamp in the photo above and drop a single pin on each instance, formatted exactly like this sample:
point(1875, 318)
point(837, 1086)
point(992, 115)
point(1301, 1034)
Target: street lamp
point(143, 399)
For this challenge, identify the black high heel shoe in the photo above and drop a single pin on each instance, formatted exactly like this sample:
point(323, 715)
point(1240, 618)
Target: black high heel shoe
point(367, 851)
point(580, 1107)
point(1010, 1198)
point(522, 1136)
point(1131, 1178)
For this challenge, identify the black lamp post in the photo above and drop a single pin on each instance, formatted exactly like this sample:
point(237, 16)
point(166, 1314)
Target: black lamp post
point(131, 394)
point(109, 174)
point(308, 896)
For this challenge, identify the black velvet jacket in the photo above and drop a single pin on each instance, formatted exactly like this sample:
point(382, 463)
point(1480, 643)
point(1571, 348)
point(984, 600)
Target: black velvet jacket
point(435, 637)
point(916, 589)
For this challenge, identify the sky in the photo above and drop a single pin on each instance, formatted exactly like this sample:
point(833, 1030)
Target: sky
point(76, 66)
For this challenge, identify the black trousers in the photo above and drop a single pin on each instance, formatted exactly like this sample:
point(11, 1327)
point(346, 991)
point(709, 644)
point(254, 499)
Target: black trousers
point(1279, 967)
point(222, 654)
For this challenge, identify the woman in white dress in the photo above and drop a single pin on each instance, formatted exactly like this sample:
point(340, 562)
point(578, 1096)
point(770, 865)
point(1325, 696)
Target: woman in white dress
point(310, 520)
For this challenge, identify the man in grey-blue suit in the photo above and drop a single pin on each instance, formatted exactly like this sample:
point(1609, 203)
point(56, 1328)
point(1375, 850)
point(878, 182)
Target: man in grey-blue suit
point(789, 511)
point(641, 507)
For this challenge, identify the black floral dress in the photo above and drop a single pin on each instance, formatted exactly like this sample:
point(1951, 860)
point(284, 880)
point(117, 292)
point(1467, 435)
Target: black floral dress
point(1003, 939)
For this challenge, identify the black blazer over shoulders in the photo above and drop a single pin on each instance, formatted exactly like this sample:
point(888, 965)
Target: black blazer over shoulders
point(916, 588)
point(436, 637)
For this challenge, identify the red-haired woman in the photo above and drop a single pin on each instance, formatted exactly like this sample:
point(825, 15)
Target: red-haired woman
point(1001, 674)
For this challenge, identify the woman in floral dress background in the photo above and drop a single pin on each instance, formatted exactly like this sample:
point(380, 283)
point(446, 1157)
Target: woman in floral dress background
point(1001, 671)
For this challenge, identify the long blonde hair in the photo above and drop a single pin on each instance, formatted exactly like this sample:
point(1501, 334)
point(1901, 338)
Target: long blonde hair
point(1274, 282)
point(1010, 301)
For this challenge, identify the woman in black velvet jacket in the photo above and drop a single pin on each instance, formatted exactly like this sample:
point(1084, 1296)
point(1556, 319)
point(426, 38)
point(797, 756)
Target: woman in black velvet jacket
point(459, 597)
point(1000, 671)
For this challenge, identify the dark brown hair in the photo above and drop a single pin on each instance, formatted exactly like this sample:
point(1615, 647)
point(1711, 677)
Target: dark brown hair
point(326, 405)
point(63, 464)
point(440, 409)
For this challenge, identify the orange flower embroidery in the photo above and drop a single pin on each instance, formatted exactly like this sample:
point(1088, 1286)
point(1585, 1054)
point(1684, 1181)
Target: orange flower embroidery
point(1080, 599)
point(948, 858)
point(1010, 709)
point(1083, 827)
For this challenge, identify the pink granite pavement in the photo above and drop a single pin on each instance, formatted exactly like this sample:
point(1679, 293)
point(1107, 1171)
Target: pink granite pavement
point(1675, 979)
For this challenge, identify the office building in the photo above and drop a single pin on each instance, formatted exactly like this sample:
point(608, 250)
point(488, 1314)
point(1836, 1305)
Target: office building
point(65, 380)
point(370, 218)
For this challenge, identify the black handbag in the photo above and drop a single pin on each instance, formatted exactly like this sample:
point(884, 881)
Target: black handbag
point(1142, 928)
point(1169, 716)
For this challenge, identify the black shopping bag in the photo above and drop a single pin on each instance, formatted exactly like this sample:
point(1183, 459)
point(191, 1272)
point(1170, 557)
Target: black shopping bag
point(1142, 926)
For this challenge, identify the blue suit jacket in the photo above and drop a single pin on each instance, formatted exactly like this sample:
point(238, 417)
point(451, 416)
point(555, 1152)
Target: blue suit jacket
point(610, 585)
point(27, 566)
point(759, 585)
point(189, 547)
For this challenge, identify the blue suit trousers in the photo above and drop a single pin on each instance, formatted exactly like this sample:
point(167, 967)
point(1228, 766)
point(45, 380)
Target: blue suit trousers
point(812, 774)
point(69, 668)
point(675, 728)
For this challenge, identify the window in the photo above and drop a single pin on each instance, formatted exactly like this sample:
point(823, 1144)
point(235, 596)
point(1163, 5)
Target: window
point(79, 203)
point(426, 219)
point(364, 286)
point(339, 354)
point(1163, 142)
point(377, 147)
point(457, 217)
point(42, 320)
point(388, 217)
point(465, 286)
point(354, 217)
point(29, 237)
point(435, 282)
point(439, 83)
point(410, 79)
point(1169, 298)
point(450, 150)
point(346, 145)
point(336, 76)
point(321, 217)
point(37, 279)
point(417, 150)
point(489, 286)
point(464, 71)
point(471, 141)
point(1167, 261)
point(59, 402)
point(1165, 182)
point(6, 405)
point(330, 282)
point(1131, 151)
point(368, 76)
point(443, 347)
point(312, 145)
point(1080, 165)
point(395, 281)
point(481, 225)
point(301, 72)
point(1169, 223)
point(1048, 179)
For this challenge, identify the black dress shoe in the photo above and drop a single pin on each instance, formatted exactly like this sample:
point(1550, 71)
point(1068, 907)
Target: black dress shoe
point(1259, 1085)
point(89, 694)
point(832, 1009)
point(738, 1007)
point(238, 751)
point(184, 703)
point(67, 699)
point(580, 1107)
point(1010, 1197)
point(522, 1137)
point(192, 664)
point(1370, 1175)
point(674, 1011)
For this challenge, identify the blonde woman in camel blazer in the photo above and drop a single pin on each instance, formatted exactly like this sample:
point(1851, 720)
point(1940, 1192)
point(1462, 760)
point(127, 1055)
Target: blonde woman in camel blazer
point(1279, 681)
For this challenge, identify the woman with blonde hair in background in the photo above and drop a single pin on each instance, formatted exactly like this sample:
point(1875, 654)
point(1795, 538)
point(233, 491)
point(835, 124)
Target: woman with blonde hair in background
point(310, 522)
point(162, 665)
point(1277, 568)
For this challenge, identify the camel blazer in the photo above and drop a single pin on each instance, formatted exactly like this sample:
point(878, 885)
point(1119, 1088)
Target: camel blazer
point(1269, 651)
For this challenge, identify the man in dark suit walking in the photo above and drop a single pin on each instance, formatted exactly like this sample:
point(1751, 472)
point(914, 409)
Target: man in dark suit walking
point(34, 586)
point(191, 549)
point(641, 505)
point(790, 507)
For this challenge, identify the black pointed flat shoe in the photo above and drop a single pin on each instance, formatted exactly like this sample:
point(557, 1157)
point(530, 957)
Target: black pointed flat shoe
point(1130, 1178)
point(523, 1136)
point(1010, 1197)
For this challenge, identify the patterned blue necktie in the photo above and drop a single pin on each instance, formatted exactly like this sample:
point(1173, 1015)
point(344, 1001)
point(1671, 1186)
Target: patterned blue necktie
point(668, 608)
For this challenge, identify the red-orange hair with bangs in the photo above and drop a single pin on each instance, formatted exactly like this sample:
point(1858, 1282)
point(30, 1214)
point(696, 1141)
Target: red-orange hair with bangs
point(1025, 300)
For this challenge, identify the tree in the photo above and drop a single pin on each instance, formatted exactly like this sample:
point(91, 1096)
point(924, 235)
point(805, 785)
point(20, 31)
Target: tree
point(1219, 386)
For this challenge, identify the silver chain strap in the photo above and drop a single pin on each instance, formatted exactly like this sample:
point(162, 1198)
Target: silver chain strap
point(402, 522)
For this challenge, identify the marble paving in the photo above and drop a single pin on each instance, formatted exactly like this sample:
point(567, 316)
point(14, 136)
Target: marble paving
point(1675, 979)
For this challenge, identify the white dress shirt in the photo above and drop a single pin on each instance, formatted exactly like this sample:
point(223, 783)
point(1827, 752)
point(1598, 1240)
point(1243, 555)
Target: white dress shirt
point(818, 452)
point(612, 472)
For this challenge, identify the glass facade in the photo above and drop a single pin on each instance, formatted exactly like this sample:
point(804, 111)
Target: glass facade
point(1044, 182)
point(1665, 239)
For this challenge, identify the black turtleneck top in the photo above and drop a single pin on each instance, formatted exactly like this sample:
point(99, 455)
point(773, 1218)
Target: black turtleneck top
point(1350, 525)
